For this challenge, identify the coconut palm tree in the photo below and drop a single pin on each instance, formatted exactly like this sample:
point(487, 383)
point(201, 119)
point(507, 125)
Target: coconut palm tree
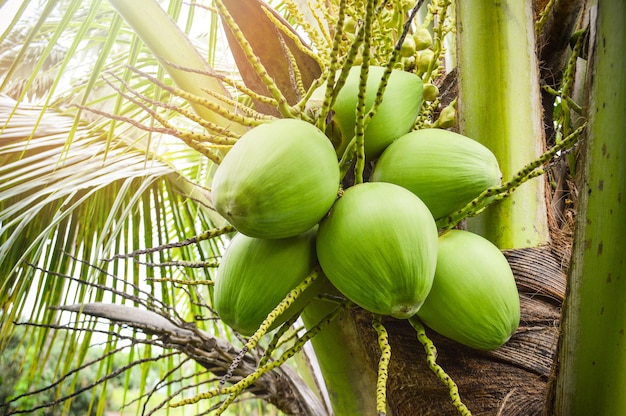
point(115, 115)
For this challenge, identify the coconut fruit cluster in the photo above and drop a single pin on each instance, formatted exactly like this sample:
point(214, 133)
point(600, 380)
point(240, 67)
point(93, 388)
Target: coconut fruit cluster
point(377, 242)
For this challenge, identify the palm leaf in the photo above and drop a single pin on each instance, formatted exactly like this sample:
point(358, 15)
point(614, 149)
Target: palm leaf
point(80, 189)
point(83, 183)
point(92, 200)
point(48, 191)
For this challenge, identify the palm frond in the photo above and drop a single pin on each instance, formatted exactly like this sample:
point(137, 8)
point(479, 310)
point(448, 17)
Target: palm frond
point(91, 200)
point(45, 187)
point(79, 182)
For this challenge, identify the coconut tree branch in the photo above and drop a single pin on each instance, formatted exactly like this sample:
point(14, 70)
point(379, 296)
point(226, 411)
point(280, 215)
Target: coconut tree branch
point(281, 387)
point(496, 46)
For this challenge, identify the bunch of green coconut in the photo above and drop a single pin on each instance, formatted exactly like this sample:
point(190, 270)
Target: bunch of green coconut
point(376, 242)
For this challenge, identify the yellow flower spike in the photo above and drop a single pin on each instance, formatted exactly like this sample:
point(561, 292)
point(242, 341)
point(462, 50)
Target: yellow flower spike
point(431, 359)
point(359, 132)
point(283, 106)
point(237, 85)
point(238, 388)
point(289, 299)
point(291, 34)
point(383, 365)
point(206, 395)
point(280, 308)
point(277, 336)
point(210, 126)
point(254, 120)
point(334, 85)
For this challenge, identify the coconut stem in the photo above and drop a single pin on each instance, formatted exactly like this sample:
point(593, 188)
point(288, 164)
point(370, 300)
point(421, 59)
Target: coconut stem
point(496, 50)
point(277, 336)
point(359, 131)
point(205, 235)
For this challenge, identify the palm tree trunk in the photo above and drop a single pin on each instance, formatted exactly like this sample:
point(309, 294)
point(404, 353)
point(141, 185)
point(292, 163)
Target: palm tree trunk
point(592, 366)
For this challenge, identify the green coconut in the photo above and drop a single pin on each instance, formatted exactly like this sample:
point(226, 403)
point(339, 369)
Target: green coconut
point(394, 117)
point(474, 298)
point(445, 169)
point(378, 246)
point(278, 180)
point(256, 274)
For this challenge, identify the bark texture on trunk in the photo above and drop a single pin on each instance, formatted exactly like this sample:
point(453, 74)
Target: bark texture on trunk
point(509, 381)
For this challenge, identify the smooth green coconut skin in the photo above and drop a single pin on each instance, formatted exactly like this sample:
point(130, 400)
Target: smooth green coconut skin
point(395, 116)
point(255, 275)
point(474, 298)
point(445, 169)
point(378, 246)
point(278, 180)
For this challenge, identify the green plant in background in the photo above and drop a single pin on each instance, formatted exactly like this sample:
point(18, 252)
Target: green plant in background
point(107, 210)
point(17, 379)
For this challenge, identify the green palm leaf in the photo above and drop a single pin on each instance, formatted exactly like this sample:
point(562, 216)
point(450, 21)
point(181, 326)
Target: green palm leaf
point(93, 199)
point(74, 183)
point(93, 171)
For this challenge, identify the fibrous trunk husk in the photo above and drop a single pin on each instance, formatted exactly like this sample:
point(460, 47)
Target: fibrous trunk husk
point(511, 380)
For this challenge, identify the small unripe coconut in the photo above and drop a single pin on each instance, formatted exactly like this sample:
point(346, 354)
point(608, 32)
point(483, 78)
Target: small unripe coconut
point(350, 25)
point(423, 38)
point(447, 117)
point(424, 59)
point(431, 92)
point(408, 47)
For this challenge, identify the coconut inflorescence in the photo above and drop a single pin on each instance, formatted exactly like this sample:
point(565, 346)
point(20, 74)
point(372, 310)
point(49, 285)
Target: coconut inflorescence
point(377, 241)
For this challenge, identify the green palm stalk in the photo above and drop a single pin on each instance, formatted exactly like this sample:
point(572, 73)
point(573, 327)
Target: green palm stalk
point(342, 357)
point(171, 46)
point(592, 358)
point(500, 106)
